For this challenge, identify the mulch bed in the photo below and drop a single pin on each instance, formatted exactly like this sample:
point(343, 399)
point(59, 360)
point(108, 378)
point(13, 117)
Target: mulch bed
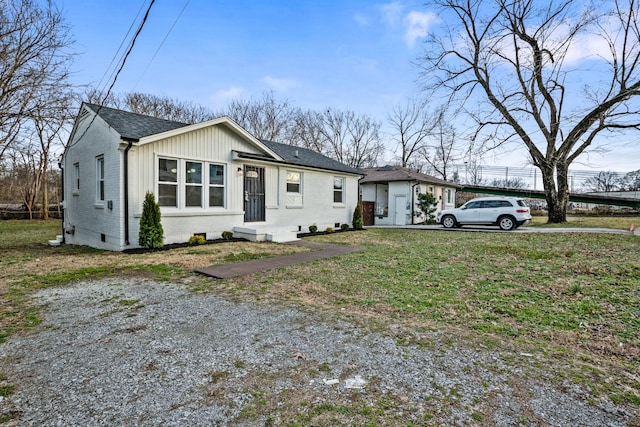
point(180, 245)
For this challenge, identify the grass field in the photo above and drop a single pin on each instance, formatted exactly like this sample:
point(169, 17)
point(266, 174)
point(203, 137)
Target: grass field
point(577, 221)
point(572, 300)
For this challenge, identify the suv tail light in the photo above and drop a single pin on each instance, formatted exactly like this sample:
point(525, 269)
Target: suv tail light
point(522, 210)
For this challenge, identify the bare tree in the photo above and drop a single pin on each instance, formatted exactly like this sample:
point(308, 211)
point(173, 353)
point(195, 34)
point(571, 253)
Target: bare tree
point(352, 139)
point(441, 151)
point(630, 181)
point(48, 119)
point(473, 172)
point(411, 125)
point(153, 105)
point(266, 118)
point(516, 58)
point(33, 60)
point(306, 131)
point(603, 181)
point(512, 183)
point(166, 108)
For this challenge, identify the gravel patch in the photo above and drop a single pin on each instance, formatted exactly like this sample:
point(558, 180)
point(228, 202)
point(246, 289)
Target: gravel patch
point(144, 353)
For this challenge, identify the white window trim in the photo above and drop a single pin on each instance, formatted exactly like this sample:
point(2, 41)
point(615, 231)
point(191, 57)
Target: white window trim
point(100, 198)
point(210, 184)
point(181, 185)
point(340, 204)
point(191, 184)
point(76, 178)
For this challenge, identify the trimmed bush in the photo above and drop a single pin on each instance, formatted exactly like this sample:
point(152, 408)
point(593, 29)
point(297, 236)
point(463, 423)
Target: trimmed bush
point(344, 227)
point(313, 228)
point(227, 235)
point(330, 230)
point(151, 235)
point(197, 240)
point(358, 221)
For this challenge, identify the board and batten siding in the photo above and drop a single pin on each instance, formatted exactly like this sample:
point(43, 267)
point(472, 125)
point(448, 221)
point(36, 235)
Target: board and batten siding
point(213, 144)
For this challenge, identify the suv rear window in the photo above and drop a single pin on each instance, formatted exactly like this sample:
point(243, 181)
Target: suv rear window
point(521, 203)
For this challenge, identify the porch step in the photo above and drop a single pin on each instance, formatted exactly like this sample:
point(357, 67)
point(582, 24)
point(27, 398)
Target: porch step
point(266, 233)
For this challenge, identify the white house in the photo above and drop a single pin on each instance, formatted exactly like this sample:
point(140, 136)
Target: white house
point(207, 177)
point(389, 195)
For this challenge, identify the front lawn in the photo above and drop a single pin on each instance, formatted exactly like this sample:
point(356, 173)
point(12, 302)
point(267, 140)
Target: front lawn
point(567, 303)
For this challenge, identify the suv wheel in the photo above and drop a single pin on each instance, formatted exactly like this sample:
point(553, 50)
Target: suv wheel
point(507, 223)
point(448, 221)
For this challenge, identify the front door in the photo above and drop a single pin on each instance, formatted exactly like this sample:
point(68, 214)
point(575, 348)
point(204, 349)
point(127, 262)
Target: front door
point(401, 211)
point(253, 194)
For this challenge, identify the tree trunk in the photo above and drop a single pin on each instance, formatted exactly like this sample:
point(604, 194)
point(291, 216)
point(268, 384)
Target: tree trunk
point(45, 191)
point(556, 190)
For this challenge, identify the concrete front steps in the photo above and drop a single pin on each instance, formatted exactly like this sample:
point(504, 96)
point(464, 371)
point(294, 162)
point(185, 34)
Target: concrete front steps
point(266, 233)
point(57, 241)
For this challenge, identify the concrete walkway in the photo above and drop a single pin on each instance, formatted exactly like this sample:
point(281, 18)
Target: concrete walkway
point(322, 250)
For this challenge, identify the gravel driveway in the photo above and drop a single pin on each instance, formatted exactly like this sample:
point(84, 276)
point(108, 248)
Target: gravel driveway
point(138, 352)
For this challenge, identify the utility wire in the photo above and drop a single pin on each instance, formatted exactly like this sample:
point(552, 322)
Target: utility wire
point(124, 60)
point(126, 36)
point(162, 43)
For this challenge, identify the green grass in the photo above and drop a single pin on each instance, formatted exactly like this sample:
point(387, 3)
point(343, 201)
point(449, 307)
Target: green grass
point(570, 299)
point(584, 221)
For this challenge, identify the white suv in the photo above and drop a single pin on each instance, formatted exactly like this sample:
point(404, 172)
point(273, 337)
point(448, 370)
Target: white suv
point(505, 212)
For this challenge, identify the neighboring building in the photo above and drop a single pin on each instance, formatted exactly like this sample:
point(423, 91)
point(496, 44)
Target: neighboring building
point(389, 195)
point(208, 178)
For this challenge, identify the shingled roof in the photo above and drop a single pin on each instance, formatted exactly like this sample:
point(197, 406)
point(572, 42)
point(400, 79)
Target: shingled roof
point(132, 125)
point(135, 126)
point(305, 157)
point(398, 173)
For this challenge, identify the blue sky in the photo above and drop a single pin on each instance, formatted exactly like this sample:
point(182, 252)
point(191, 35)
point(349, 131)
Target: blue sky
point(351, 54)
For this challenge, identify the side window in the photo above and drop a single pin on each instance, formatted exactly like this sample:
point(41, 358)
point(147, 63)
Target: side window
point(100, 178)
point(338, 189)
point(216, 186)
point(293, 182)
point(76, 177)
point(473, 205)
point(168, 182)
point(504, 204)
point(193, 184)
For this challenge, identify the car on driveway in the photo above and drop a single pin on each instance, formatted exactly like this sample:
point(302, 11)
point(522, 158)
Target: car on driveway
point(505, 212)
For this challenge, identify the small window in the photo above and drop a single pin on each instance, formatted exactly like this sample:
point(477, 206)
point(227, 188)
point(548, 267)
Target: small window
point(168, 182)
point(100, 178)
point(449, 196)
point(76, 177)
point(193, 184)
point(338, 190)
point(293, 182)
point(216, 185)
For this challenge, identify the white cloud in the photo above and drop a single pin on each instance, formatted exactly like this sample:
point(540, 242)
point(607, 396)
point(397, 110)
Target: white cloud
point(279, 84)
point(391, 13)
point(361, 19)
point(221, 98)
point(417, 25)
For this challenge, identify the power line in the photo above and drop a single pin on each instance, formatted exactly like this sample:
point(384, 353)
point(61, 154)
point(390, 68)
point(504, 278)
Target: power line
point(124, 39)
point(162, 43)
point(115, 78)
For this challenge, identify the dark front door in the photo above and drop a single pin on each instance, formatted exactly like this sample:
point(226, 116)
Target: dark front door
point(253, 194)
